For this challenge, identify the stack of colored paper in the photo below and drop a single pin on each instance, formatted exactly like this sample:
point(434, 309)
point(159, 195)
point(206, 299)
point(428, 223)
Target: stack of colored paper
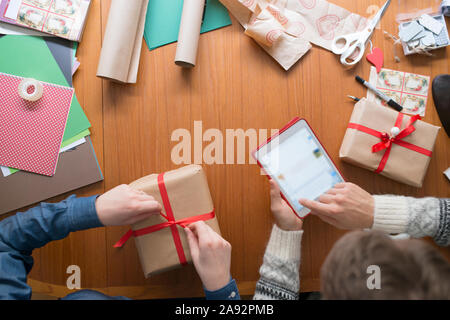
point(48, 60)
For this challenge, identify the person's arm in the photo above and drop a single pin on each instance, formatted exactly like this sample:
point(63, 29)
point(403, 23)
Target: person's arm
point(347, 206)
point(279, 272)
point(228, 292)
point(416, 217)
point(22, 233)
point(25, 231)
point(211, 255)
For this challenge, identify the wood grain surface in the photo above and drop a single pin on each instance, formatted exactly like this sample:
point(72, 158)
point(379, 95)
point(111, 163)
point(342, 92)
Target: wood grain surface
point(234, 85)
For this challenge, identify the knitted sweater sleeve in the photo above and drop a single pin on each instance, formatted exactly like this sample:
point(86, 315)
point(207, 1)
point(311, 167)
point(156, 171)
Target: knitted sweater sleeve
point(417, 217)
point(279, 272)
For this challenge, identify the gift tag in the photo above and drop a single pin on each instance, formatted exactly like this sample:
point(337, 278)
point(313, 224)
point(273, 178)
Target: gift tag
point(442, 38)
point(420, 35)
point(431, 24)
point(376, 58)
point(410, 31)
point(428, 40)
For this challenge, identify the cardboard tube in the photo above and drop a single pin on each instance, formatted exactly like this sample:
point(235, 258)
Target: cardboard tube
point(121, 50)
point(191, 22)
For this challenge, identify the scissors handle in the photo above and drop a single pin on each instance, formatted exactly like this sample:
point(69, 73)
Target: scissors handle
point(342, 43)
point(349, 57)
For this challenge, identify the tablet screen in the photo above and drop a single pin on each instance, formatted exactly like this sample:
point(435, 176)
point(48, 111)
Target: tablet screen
point(300, 166)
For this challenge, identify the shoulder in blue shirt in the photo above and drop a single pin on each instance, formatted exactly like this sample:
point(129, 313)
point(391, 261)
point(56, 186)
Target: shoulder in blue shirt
point(26, 231)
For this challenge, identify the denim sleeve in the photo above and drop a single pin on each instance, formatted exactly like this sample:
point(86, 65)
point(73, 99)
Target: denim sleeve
point(25, 231)
point(229, 292)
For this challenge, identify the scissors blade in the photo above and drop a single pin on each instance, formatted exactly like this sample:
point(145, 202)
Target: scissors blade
point(379, 15)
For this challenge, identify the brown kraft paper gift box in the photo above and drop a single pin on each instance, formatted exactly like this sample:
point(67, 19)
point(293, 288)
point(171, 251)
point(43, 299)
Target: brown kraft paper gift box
point(404, 165)
point(189, 196)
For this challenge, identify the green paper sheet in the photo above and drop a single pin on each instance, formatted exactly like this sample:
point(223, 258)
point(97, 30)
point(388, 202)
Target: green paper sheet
point(29, 56)
point(79, 136)
point(75, 48)
point(163, 20)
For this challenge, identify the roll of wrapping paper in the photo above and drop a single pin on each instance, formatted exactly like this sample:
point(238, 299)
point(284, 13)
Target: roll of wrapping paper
point(191, 22)
point(121, 50)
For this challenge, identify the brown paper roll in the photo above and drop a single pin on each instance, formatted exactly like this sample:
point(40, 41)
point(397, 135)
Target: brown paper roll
point(121, 50)
point(191, 22)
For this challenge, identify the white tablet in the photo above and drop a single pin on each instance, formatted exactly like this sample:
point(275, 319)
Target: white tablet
point(298, 162)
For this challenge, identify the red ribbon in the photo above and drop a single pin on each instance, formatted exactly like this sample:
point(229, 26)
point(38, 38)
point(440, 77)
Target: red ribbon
point(387, 141)
point(170, 223)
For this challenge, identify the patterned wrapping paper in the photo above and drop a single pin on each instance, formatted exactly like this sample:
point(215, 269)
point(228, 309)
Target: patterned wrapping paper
point(403, 164)
point(62, 18)
point(31, 132)
point(286, 28)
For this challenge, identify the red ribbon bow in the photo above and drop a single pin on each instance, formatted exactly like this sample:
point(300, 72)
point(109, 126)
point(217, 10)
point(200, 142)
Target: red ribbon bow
point(170, 223)
point(387, 141)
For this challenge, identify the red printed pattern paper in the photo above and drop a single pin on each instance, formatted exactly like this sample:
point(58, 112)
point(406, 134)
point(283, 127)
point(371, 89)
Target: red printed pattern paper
point(31, 132)
point(63, 18)
point(286, 29)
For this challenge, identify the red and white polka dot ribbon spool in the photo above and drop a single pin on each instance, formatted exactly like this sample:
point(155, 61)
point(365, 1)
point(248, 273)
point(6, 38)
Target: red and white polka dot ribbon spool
point(30, 89)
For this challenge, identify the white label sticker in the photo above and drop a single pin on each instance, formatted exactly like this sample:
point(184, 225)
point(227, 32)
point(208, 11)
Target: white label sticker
point(428, 40)
point(431, 24)
point(13, 9)
point(410, 31)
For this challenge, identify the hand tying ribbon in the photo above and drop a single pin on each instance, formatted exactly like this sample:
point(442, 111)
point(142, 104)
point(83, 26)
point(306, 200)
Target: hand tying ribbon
point(387, 141)
point(170, 223)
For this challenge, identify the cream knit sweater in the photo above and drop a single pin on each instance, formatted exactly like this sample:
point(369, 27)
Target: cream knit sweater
point(416, 217)
point(279, 272)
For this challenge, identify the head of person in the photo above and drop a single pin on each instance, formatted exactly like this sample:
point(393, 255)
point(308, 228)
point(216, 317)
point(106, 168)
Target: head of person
point(371, 265)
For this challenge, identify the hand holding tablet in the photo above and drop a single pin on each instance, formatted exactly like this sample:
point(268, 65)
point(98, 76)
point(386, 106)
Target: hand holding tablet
point(298, 163)
point(282, 212)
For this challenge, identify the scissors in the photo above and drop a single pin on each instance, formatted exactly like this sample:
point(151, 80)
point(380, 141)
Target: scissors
point(352, 46)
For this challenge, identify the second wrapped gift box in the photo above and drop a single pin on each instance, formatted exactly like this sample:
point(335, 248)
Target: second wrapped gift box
point(370, 142)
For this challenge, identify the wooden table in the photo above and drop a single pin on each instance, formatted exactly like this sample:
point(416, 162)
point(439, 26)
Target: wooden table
point(234, 85)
